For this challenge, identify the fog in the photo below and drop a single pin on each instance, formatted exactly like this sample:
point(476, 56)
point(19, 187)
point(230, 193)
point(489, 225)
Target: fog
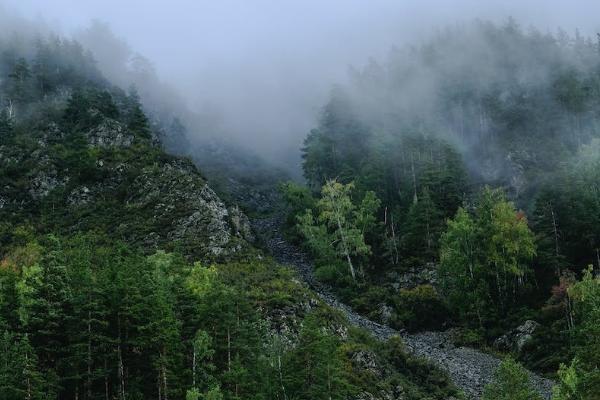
point(263, 69)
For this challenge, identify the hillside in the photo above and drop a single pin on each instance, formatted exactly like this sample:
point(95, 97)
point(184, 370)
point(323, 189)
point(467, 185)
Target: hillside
point(444, 241)
point(124, 276)
point(454, 187)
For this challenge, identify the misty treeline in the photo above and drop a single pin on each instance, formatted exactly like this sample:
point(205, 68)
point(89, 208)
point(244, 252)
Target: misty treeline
point(90, 310)
point(478, 155)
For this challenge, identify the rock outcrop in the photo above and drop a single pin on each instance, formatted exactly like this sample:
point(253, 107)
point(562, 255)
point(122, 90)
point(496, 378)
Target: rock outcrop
point(186, 211)
point(142, 195)
point(414, 276)
point(109, 133)
point(516, 339)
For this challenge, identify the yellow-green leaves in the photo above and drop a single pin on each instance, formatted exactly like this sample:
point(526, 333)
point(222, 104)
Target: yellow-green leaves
point(201, 279)
point(337, 233)
point(484, 256)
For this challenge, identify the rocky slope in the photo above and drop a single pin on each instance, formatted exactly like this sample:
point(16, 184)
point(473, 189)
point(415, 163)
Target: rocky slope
point(133, 190)
point(469, 369)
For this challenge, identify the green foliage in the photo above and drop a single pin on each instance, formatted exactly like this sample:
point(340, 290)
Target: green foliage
point(298, 199)
point(6, 126)
point(137, 122)
point(320, 372)
point(421, 230)
point(192, 394)
point(468, 337)
point(416, 374)
point(420, 308)
point(89, 309)
point(20, 86)
point(569, 385)
point(484, 258)
point(511, 382)
point(19, 372)
point(581, 379)
point(88, 107)
point(338, 231)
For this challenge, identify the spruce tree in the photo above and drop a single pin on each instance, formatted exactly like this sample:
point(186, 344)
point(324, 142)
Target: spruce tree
point(19, 89)
point(421, 229)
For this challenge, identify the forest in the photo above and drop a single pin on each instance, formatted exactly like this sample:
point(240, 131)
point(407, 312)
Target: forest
point(451, 189)
point(493, 181)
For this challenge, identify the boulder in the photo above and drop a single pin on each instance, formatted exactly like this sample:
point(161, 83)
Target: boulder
point(366, 361)
point(414, 276)
point(516, 339)
point(109, 133)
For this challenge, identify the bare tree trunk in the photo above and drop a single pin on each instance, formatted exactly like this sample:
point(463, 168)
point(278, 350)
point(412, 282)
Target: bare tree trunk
point(106, 379)
point(28, 394)
point(164, 374)
point(569, 312)
point(89, 356)
point(346, 251)
point(158, 385)
point(120, 367)
point(555, 230)
point(281, 376)
point(194, 368)
point(228, 350)
point(396, 254)
point(329, 381)
point(11, 109)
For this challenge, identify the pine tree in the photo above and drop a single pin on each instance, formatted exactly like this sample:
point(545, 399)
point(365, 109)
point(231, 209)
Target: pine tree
point(88, 328)
point(49, 313)
point(547, 225)
point(315, 367)
point(19, 374)
point(42, 69)
point(137, 122)
point(19, 89)
point(421, 229)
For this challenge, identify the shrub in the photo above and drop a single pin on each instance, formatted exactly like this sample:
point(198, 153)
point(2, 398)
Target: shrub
point(511, 382)
point(420, 308)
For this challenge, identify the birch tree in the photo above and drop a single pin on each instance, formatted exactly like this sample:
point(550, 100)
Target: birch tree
point(338, 231)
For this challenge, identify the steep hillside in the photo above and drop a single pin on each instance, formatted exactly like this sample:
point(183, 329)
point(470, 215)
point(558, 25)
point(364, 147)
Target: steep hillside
point(455, 186)
point(104, 177)
point(124, 276)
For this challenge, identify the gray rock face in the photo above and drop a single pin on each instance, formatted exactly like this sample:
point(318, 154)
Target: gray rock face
point(44, 182)
point(415, 276)
point(80, 196)
point(384, 313)
point(109, 133)
point(395, 394)
point(366, 361)
point(516, 339)
point(240, 224)
point(469, 369)
point(285, 322)
point(187, 211)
